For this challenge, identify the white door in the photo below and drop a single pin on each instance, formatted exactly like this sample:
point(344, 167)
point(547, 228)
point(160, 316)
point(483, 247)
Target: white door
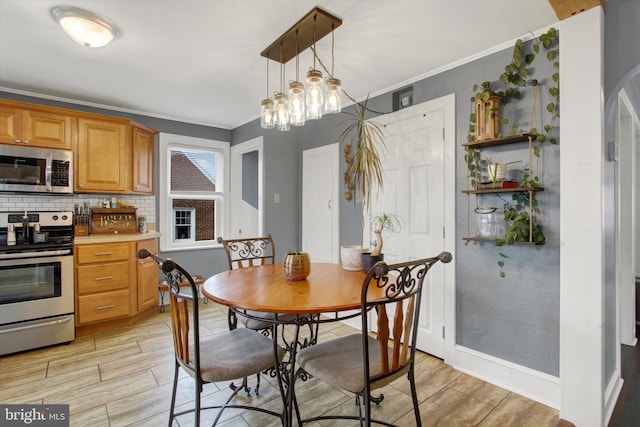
point(247, 199)
point(414, 183)
point(320, 230)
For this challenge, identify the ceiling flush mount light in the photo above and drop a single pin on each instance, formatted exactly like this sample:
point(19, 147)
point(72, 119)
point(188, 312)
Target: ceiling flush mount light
point(311, 102)
point(84, 27)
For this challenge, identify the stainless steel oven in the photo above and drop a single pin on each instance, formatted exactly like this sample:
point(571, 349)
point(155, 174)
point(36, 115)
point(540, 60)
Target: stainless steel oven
point(36, 280)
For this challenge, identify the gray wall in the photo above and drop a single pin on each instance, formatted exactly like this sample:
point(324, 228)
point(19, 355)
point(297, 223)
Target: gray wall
point(516, 318)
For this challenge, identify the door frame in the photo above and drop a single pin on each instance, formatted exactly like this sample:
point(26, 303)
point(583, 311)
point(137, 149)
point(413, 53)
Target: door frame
point(255, 144)
point(334, 151)
point(448, 104)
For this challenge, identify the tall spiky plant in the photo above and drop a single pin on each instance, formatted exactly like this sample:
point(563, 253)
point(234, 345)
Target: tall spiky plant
point(362, 138)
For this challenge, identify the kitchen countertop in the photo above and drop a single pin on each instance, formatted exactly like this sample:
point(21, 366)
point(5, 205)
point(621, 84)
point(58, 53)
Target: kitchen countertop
point(112, 238)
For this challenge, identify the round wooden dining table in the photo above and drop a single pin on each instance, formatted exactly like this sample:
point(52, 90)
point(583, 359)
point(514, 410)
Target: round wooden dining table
point(328, 288)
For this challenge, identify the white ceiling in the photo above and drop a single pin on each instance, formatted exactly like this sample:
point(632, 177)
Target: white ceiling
point(199, 61)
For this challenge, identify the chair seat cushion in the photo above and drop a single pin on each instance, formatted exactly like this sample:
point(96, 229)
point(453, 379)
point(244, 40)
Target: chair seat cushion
point(236, 354)
point(339, 362)
point(257, 325)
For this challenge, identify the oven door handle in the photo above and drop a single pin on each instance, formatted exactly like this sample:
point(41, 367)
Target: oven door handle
point(37, 325)
point(42, 254)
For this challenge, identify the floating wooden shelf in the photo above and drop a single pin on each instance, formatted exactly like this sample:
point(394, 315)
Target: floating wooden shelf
point(486, 239)
point(503, 190)
point(497, 142)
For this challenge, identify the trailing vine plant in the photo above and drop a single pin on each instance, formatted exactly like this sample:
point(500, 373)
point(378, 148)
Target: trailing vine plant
point(510, 86)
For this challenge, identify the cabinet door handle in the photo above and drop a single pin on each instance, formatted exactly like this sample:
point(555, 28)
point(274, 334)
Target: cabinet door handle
point(25, 141)
point(17, 141)
point(105, 307)
point(104, 278)
point(103, 253)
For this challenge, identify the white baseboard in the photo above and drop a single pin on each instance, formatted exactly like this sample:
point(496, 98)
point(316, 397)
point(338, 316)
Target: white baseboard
point(536, 385)
point(611, 394)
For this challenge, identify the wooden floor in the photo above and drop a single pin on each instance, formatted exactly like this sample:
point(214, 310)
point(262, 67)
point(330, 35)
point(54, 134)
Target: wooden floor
point(627, 410)
point(123, 378)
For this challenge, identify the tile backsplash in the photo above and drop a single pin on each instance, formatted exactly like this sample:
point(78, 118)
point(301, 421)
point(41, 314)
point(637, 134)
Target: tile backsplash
point(41, 202)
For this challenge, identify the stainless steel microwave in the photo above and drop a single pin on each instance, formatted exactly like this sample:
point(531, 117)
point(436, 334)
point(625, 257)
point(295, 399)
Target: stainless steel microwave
point(35, 170)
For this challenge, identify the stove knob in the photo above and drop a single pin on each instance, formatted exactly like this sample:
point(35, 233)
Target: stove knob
point(64, 217)
point(55, 217)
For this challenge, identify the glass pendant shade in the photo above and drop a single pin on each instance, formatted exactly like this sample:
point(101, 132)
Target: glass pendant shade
point(267, 118)
point(282, 112)
point(296, 104)
point(315, 95)
point(333, 103)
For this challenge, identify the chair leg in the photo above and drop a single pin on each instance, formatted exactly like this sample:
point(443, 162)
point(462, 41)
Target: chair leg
point(414, 396)
point(257, 383)
point(198, 388)
point(173, 392)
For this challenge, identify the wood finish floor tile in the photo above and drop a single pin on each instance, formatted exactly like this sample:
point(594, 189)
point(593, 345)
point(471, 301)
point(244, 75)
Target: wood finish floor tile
point(123, 378)
point(481, 390)
point(518, 411)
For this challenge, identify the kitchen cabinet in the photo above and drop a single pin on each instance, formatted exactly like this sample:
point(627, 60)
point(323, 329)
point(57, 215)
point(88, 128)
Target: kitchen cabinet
point(142, 149)
point(147, 276)
point(102, 157)
point(103, 278)
point(37, 127)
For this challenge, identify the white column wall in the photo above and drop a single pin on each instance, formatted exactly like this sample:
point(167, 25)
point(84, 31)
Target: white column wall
point(581, 219)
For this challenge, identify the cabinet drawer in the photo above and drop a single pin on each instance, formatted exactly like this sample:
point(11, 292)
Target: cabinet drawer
point(151, 245)
point(104, 252)
point(102, 277)
point(103, 306)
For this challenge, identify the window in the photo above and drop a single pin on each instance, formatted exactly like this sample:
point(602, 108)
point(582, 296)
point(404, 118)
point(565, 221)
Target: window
point(184, 221)
point(193, 192)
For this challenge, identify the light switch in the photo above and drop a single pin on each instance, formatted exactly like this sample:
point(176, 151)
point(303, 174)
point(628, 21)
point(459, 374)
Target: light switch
point(276, 197)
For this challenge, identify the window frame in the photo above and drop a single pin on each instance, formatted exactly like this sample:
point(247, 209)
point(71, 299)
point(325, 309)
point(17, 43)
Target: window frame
point(167, 142)
point(192, 223)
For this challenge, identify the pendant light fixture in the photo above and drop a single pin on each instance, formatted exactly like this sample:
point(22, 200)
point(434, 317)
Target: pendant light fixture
point(296, 95)
point(309, 104)
point(333, 101)
point(84, 27)
point(282, 104)
point(267, 119)
point(315, 91)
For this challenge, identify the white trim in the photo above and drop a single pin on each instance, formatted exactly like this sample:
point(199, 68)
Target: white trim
point(582, 233)
point(611, 395)
point(334, 151)
point(164, 225)
point(255, 144)
point(536, 385)
point(625, 222)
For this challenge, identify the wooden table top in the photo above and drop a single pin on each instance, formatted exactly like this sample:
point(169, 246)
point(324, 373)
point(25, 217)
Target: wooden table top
point(329, 288)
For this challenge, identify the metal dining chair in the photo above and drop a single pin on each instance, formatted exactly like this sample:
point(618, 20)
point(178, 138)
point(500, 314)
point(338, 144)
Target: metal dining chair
point(224, 356)
point(250, 252)
point(363, 362)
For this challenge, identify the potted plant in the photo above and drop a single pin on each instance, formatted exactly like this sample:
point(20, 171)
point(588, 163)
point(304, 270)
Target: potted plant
point(384, 222)
point(362, 140)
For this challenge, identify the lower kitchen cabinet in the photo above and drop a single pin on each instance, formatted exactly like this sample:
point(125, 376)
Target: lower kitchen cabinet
point(147, 276)
point(111, 283)
point(103, 281)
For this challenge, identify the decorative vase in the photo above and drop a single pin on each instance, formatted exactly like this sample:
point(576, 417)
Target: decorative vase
point(369, 260)
point(296, 265)
point(351, 257)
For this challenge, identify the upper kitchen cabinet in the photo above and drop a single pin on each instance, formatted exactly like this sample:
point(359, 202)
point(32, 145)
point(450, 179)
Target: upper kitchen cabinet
point(38, 127)
point(103, 156)
point(143, 147)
